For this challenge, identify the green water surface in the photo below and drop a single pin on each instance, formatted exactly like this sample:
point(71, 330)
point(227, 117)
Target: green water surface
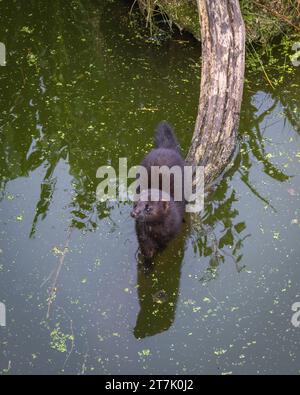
point(83, 87)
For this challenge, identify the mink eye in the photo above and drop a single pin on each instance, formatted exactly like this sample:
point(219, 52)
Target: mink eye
point(148, 208)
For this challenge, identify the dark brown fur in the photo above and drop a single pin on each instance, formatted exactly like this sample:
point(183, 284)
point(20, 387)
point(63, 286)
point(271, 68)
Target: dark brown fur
point(158, 222)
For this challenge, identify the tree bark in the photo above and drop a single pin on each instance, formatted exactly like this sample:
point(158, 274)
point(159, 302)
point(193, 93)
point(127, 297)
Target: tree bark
point(221, 90)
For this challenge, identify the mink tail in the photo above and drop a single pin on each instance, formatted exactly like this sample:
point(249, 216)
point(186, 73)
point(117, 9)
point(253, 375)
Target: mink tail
point(165, 137)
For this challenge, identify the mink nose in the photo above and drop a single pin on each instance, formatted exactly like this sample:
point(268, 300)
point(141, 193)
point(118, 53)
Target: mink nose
point(134, 214)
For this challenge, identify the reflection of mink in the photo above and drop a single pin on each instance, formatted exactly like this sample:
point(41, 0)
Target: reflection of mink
point(158, 216)
point(166, 153)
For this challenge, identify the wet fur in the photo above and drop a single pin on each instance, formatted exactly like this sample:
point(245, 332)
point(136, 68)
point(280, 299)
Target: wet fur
point(158, 222)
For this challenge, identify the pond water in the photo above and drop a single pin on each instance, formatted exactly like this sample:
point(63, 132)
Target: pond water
point(81, 89)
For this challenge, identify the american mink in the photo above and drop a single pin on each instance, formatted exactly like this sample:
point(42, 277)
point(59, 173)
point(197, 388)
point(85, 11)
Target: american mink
point(158, 214)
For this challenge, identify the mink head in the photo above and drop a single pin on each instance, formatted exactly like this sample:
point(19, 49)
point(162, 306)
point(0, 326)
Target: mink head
point(151, 207)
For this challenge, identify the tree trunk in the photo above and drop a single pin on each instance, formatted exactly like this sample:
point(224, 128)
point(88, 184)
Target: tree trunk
point(221, 90)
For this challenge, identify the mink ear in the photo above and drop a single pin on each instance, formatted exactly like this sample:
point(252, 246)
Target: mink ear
point(165, 205)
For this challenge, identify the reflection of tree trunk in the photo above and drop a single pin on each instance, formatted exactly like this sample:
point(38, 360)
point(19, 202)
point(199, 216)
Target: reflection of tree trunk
point(223, 61)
